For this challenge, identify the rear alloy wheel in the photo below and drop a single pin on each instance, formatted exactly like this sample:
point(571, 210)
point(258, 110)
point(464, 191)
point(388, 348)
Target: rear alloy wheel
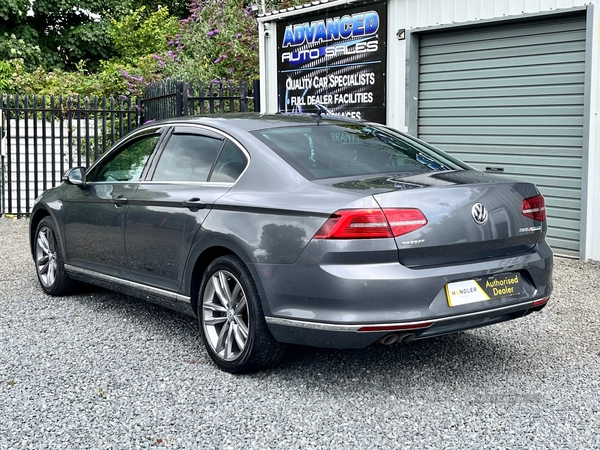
point(48, 257)
point(231, 320)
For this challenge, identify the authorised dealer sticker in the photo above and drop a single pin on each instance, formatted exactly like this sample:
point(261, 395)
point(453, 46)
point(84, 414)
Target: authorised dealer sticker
point(482, 289)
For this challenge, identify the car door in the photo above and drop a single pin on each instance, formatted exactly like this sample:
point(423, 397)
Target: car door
point(95, 214)
point(167, 210)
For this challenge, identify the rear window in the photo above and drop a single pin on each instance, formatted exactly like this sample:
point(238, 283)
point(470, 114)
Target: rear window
point(341, 150)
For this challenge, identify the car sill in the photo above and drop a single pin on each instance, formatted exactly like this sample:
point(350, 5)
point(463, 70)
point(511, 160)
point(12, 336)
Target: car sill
point(128, 284)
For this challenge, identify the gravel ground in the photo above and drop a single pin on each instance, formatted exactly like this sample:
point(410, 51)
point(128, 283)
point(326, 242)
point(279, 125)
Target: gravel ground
point(101, 370)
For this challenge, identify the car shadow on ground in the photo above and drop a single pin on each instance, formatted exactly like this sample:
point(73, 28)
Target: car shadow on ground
point(474, 354)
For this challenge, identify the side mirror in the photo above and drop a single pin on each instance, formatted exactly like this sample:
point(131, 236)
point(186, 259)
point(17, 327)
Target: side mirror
point(75, 176)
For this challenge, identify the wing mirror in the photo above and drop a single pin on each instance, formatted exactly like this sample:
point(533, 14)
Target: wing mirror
point(75, 176)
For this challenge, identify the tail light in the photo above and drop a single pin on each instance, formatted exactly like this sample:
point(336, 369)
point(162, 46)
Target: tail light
point(534, 208)
point(371, 223)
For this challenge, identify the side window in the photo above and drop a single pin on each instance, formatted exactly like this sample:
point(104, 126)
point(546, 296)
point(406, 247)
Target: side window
point(187, 157)
point(230, 165)
point(128, 163)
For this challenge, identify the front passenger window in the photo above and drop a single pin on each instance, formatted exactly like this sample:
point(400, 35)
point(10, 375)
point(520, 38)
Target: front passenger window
point(128, 163)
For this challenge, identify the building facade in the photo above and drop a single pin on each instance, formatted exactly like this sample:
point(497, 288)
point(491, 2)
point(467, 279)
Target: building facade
point(509, 86)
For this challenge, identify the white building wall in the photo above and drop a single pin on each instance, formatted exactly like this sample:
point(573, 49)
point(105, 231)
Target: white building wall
point(591, 189)
point(426, 13)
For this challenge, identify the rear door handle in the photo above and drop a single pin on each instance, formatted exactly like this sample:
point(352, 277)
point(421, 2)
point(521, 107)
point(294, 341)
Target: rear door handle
point(119, 200)
point(194, 204)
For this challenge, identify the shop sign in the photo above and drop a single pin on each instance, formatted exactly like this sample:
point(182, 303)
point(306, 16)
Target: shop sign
point(335, 58)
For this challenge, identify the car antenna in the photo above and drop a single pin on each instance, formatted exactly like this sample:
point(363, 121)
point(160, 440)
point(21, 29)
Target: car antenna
point(323, 109)
point(320, 110)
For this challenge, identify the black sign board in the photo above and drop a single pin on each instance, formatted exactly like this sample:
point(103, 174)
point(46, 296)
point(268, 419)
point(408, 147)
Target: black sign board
point(336, 58)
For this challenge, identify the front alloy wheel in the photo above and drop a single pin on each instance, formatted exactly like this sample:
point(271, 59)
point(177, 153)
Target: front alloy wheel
point(49, 259)
point(45, 256)
point(231, 319)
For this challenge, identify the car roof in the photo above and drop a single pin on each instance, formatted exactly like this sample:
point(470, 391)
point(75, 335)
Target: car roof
point(256, 121)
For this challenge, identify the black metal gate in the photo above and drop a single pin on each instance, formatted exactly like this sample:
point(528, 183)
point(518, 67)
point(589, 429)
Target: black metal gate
point(45, 136)
point(180, 98)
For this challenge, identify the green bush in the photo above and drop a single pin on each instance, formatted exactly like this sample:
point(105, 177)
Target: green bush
point(217, 42)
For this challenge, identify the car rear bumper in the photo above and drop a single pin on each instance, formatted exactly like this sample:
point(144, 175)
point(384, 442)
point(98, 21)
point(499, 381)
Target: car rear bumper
point(352, 306)
point(361, 335)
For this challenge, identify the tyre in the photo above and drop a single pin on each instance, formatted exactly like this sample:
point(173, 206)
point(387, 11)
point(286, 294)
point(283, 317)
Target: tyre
point(232, 322)
point(49, 262)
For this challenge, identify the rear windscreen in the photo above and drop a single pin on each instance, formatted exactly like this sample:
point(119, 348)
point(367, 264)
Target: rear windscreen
point(341, 150)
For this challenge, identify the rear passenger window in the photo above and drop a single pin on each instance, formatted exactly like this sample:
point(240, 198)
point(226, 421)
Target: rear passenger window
point(187, 157)
point(230, 165)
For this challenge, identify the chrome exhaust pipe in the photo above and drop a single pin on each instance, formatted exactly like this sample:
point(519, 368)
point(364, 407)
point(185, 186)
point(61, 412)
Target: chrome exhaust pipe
point(403, 338)
point(388, 339)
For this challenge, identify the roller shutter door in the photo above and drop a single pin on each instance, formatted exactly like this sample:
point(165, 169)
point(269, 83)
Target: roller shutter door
point(511, 97)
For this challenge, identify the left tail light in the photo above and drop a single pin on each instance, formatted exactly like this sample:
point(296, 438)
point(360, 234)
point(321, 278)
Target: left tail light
point(371, 223)
point(534, 208)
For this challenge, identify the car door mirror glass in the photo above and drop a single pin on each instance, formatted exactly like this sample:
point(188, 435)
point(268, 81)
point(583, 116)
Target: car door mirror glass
point(75, 176)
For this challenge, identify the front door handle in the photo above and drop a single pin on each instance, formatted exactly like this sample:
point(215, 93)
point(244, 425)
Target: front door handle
point(119, 200)
point(194, 204)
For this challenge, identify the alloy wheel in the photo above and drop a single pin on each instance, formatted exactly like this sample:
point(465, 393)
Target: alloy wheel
point(46, 257)
point(225, 315)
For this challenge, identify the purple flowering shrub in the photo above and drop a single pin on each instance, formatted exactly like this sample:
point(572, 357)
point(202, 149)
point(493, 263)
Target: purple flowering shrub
point(218, 42)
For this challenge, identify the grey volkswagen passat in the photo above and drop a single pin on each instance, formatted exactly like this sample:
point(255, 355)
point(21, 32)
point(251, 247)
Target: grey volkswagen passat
point(275, 229)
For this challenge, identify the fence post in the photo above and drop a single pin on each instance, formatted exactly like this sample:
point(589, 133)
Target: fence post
point(181, 99)
point(256, 94)
point(1, 158)
point(1, 185)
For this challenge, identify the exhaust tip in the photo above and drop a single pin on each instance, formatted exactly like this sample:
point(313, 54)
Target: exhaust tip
point(406, 338)
point(403, 338)
point(388, 339)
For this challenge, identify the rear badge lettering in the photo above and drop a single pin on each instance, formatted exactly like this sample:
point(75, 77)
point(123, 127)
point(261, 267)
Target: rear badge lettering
point(416, 241)
point(529, 229)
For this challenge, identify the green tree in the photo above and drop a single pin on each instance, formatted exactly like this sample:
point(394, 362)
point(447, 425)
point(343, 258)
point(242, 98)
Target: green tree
point(17, 38)
point(140, 34)
point(177, 8)
point(76, 30)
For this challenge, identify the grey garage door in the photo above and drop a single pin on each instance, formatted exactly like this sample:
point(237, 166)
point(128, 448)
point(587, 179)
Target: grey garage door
point(509, 98)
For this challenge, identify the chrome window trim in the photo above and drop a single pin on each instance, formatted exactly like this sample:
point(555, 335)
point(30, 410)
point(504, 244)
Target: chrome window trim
point(201, 183)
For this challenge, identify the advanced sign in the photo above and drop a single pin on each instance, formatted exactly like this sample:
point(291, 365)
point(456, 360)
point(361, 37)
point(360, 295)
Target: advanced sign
point(361, 24)
point(336, 59)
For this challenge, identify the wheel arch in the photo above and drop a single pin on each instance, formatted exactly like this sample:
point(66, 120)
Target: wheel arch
point(34, 220)
point(208, 255)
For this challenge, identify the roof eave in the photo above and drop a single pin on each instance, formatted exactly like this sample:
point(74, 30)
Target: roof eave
point(315, 5)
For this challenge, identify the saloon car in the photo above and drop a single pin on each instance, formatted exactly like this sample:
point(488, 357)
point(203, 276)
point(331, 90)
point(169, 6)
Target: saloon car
point(296, 229)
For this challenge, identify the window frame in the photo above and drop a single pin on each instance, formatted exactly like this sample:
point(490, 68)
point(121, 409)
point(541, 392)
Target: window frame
point(109, 156)
point(199, 130)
